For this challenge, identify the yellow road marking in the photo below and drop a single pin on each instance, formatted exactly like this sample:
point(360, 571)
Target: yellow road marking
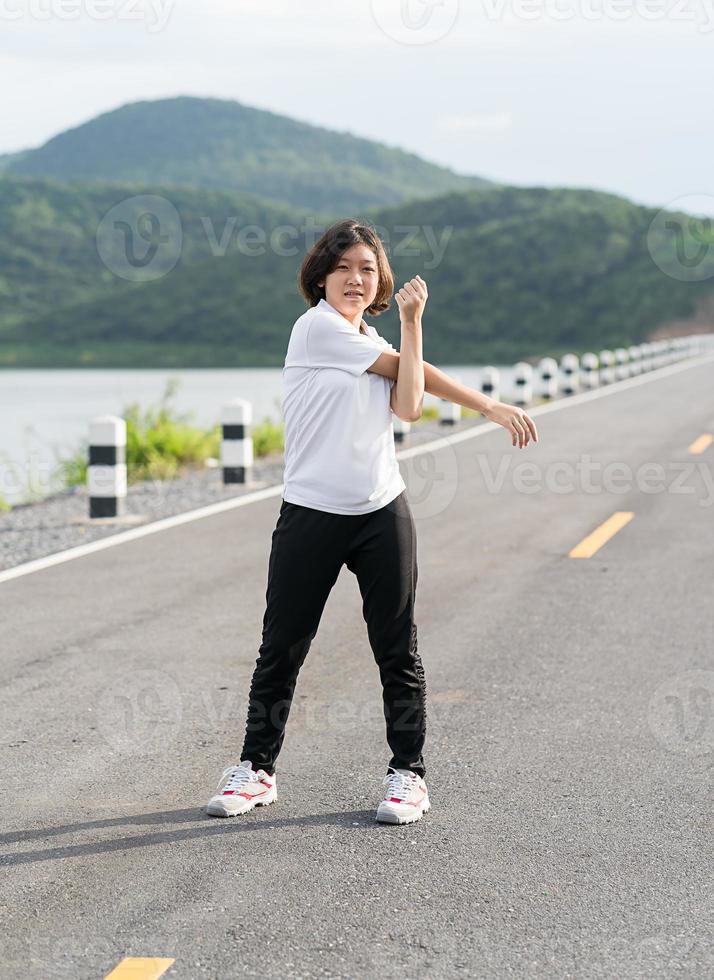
point(601, 535)
point(140, 968)
point(700, 444)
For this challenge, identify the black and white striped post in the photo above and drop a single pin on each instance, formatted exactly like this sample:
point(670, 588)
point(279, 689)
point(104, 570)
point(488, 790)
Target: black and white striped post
point(635, 354)
point(106, 472)
point(589, 370)
point(236, 441)
point(660, 358)
point(697, 344)
point(522, 384)
point(401, 428)
point(547, 378)
point(449, 412)
point(491, 382)
point(607, 367)
point(701, 342)
point(570, 371)
point(622, 363)
point(646, 349)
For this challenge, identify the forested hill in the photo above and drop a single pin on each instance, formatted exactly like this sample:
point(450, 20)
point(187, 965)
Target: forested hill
point(512, 272)
point(221, 144)
point(538, 270)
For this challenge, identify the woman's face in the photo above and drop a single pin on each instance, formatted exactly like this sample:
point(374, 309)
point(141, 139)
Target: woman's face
point(352, 285)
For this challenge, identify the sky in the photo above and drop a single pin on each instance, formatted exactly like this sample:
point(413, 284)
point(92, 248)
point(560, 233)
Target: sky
point(614, 95)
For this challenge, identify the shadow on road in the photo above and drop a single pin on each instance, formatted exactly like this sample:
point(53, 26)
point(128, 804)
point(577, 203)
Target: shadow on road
point(245, 823)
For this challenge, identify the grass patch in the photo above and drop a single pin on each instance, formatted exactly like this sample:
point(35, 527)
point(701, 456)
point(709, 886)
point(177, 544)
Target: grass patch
point(162, 443)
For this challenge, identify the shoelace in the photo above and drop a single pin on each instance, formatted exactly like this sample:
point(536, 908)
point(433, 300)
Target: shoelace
point(399, 784)
point(239, 775)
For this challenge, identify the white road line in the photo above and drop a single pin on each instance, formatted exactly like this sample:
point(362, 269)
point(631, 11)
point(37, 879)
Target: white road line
point(122, 537)
point(138, 532)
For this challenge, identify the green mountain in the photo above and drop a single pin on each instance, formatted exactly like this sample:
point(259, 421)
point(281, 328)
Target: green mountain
point(512, 272)
point(532, 270)
point(10, 158)
point(224, 145)
point(56, 240)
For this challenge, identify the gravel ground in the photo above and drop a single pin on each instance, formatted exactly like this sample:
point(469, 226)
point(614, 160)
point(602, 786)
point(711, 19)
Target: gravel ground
point(62, 520)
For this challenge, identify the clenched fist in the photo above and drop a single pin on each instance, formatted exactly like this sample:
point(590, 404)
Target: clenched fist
point(411, 300)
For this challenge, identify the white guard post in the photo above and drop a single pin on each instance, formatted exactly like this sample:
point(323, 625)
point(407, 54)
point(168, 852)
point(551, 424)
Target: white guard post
point(106, 472)
point(236, 442)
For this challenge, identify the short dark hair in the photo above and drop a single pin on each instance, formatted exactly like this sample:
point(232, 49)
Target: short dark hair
point(326, 252)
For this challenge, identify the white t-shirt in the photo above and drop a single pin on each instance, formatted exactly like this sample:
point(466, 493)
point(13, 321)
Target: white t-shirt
point(339, 437)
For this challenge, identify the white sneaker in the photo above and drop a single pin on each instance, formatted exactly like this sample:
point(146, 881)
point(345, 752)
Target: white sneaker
point(406, 798)
point(240, 789)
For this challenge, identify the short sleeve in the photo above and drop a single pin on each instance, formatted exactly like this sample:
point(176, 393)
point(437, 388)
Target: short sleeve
point(333, 344)
point(386, 346)
point(385, 343)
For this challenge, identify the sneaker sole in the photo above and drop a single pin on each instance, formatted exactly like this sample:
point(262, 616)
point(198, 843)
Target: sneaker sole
point(219, 810)
point(388, 816)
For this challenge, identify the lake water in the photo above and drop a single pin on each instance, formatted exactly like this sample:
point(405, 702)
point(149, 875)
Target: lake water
point(44, 415)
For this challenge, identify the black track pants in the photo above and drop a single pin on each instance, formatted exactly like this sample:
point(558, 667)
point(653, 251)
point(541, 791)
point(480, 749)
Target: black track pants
point(308, 550)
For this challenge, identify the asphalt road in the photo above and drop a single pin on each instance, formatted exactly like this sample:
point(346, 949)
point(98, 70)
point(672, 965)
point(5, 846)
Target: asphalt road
point(570, 752)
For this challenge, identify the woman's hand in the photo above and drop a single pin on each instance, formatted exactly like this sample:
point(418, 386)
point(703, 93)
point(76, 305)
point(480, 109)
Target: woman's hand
point(411, 300)
point(519, 424)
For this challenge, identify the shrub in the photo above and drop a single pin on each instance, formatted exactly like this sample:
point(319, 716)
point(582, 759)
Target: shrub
point(161, 443)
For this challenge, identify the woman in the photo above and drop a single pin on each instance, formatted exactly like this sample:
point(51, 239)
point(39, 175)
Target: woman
point(345, 502)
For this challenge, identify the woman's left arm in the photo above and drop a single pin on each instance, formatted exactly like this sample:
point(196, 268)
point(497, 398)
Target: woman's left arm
point(511, 417)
